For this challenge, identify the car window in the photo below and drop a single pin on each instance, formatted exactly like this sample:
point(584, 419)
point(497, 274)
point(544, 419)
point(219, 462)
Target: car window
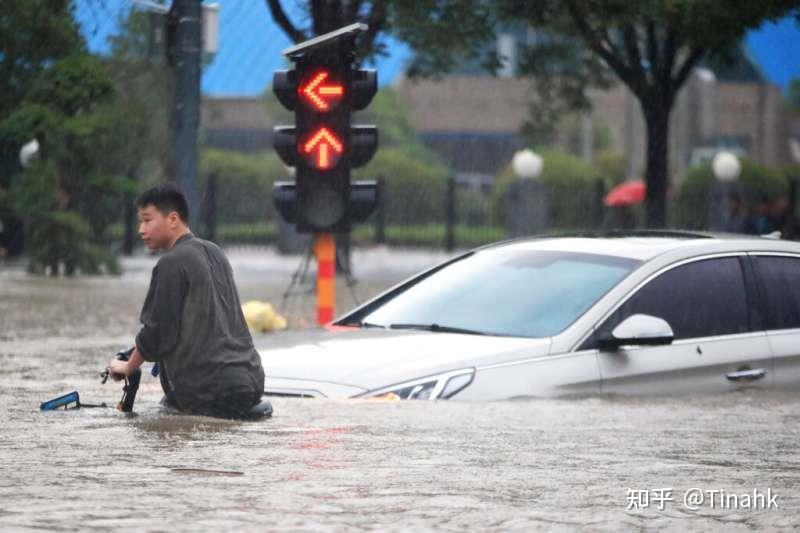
point(517, 292)
point(780, 281)
point(699, 299)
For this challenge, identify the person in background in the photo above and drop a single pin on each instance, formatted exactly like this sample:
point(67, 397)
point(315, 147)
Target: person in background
point(759, 223)
point(734, 219)
point(783, 219)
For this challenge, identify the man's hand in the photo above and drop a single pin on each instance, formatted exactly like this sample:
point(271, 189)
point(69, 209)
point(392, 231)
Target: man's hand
point(118, 369)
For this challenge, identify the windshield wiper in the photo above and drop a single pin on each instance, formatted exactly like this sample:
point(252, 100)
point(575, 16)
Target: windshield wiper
point(364, 325)
point(438, 328)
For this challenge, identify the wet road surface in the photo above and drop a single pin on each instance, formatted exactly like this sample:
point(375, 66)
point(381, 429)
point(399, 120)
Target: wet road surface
point(331, 465)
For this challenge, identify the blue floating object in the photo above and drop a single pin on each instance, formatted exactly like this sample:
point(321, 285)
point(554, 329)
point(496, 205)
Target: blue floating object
point(61, 401)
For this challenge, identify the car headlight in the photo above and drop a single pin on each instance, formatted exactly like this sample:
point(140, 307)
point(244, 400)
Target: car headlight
point(438, 387)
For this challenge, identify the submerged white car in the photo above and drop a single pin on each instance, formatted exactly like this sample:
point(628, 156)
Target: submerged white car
point(653, 313)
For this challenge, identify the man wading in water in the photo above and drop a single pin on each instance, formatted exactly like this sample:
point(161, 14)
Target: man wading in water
point(192, 321)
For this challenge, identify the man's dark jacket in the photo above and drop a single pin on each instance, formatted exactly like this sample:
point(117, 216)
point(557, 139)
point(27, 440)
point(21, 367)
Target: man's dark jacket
point(193, 326)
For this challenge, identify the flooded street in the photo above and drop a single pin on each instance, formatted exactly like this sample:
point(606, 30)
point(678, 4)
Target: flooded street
point(333, 465)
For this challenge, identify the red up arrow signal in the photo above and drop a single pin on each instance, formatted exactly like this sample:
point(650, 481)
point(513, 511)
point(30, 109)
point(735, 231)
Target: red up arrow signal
point(323, 147)
point(321, 97)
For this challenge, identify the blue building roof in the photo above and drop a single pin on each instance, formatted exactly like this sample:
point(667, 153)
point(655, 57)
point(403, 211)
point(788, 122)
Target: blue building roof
point(250, 44)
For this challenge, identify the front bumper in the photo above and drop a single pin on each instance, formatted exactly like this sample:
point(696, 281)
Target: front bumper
point(299, 388)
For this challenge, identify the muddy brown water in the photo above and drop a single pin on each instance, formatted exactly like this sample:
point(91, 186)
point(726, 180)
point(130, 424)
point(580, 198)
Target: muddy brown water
point(538, 464)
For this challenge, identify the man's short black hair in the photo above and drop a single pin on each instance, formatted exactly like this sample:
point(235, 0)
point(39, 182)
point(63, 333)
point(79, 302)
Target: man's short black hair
point(166, 198)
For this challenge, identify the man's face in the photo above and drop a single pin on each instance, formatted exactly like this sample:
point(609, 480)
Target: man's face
point(156, 229)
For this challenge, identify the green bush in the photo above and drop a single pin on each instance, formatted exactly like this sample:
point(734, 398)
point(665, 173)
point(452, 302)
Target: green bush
point(431, 235)
point(690, 207)
point(64, 238)
point(414, 188)
point(244, 184)
point(571, 183)
point(249, 233)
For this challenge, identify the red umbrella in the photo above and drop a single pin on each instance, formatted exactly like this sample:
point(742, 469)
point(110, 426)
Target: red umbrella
point(627, 193)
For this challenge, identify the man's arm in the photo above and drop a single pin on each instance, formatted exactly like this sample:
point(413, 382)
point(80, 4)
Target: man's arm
point(125, 368)
point(161, 314)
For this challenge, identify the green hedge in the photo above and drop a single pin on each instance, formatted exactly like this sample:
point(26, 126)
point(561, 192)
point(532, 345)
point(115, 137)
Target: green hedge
point(691, 204)
point(431, 235)
point(244, 184)
point(572, 185)
point(415, 187)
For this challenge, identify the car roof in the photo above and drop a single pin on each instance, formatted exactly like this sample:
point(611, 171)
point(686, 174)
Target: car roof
point(645, 245)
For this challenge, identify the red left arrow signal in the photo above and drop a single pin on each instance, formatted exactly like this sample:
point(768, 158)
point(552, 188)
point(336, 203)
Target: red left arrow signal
point(321, 96)
point(323, 147)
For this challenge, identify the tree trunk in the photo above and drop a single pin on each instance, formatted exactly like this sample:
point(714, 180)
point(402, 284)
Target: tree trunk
point(656, 117)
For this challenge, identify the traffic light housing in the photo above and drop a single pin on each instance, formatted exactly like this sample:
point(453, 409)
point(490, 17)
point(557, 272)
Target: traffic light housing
point(323, 90)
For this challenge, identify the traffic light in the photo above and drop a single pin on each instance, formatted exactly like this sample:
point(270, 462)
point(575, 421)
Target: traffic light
point(323, 90)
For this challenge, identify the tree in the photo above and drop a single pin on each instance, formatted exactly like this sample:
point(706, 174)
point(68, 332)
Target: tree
point(794, 94)
point(649, 45)
point(446, 32)
point(70, 196)
point(33, 33)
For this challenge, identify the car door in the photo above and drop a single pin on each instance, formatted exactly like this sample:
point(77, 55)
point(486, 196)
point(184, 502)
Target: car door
point(718, 342)
point(779, 281)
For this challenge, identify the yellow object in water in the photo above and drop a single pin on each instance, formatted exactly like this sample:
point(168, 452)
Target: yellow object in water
point(261, 317)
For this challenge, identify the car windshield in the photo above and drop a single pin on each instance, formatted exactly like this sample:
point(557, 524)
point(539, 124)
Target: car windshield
point(524, 293)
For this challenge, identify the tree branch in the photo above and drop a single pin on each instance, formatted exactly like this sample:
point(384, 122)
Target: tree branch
point(593, 41)
point(376, 22)
point(631, 40)
point(652, 49)
point(279, 16)
point(352, 11)
point(668, 62)
point(695, 55)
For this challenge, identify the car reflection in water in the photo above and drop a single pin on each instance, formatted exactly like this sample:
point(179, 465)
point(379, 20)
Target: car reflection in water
point(647, 313)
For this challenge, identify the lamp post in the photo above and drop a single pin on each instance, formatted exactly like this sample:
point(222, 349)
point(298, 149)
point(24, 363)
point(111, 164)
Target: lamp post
point(726, 203)
point(526, 202)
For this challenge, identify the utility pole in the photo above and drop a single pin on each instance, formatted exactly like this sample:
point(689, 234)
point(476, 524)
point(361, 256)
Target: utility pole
point(185, 53)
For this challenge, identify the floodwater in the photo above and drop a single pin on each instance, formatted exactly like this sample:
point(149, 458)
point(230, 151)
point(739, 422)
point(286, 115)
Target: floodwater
point(334, 465)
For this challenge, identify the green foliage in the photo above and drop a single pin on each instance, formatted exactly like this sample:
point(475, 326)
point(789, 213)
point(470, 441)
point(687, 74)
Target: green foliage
point(67, 200)
point(414, 188)
point(444, 35)
point(391, 116)
point(144, 89)
point(55, 236)
point(572, 186)
point(31, 121)
point(244, 184)
point(690, 207)
point(650, 45)
point(33, 34)
point(72, 85)
point(610, 165)
point(432, 235)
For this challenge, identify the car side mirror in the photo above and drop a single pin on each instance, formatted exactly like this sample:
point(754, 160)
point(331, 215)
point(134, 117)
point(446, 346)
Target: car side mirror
point(638, 330)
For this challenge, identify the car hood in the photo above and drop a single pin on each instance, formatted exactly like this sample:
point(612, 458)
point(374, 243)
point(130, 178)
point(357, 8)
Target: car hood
point(371, 359)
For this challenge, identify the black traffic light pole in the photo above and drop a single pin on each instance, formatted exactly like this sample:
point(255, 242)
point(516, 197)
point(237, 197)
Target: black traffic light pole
point(185, 18)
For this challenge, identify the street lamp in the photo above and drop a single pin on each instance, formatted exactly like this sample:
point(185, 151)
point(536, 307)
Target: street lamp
point(527, 201)
point(28, 153)
point(726, 166)
point(527, 164)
